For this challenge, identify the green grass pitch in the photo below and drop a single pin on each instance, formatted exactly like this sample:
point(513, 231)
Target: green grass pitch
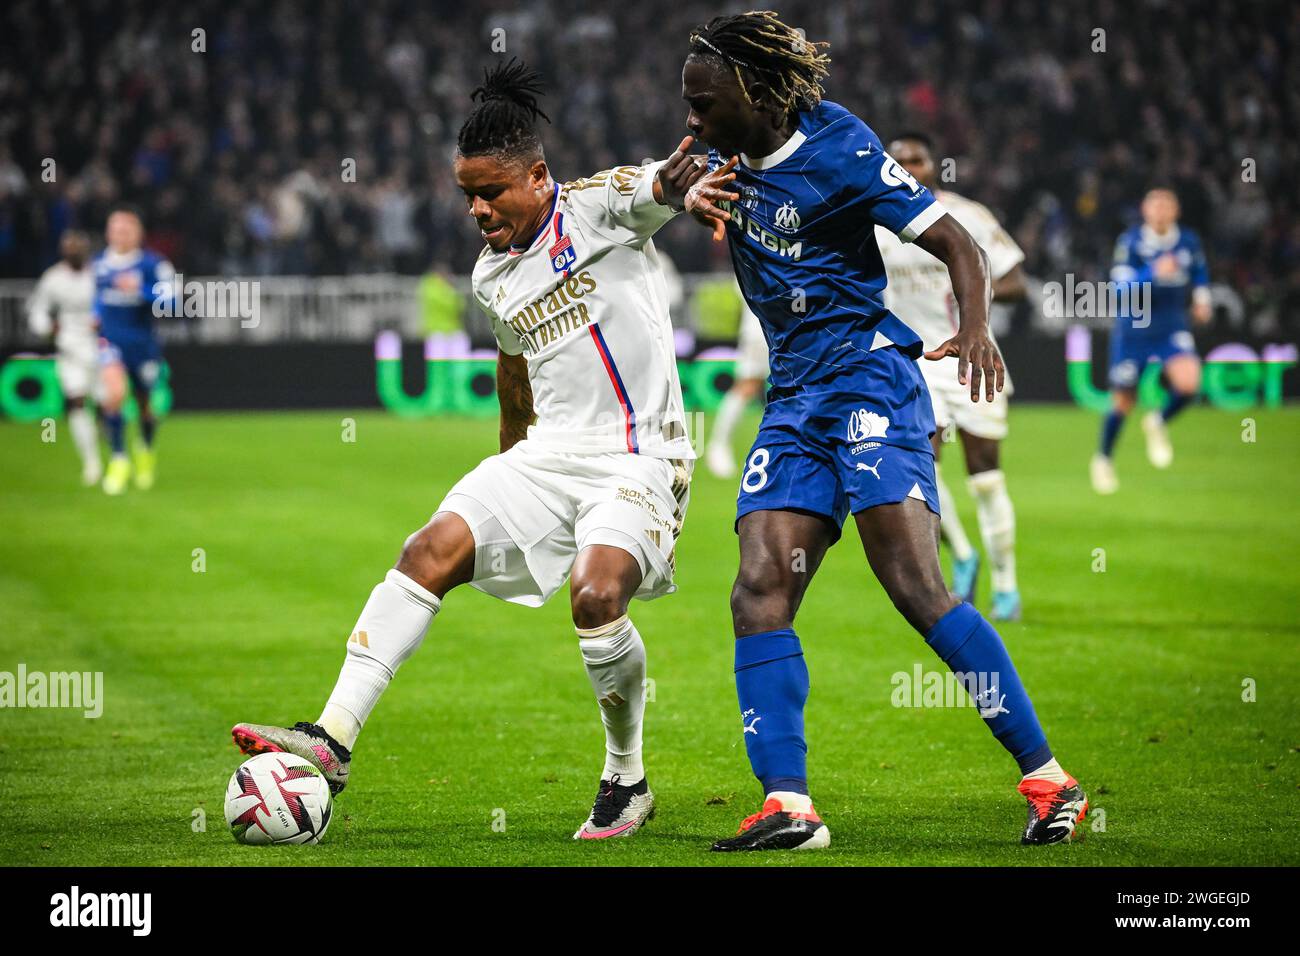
point(1138, 672)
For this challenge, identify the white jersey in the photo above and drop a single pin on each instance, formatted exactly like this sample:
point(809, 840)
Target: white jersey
point(919, 290)
point(66, 295)
point(587, 305)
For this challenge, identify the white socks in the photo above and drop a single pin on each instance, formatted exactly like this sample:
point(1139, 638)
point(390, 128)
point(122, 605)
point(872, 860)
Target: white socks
point(82, 426)
point(1049, 771)
point(791, 802)
point(615, 659)
point(729, 412)
point(997, 520)
point(950, 522)
point(389, 630)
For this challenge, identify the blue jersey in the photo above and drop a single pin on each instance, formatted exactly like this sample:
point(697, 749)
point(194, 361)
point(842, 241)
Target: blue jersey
point(126, 288)
point(848, 421)
point(1134, 263)
point(804, 248)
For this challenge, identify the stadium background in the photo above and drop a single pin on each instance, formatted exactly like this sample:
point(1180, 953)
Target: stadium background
point(235, 154)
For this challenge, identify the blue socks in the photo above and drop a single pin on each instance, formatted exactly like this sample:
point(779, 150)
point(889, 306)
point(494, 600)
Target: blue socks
point(147, 426)
point(772, 687)
point(1175, 404)
point(1110, 427)
point(1114, 420)
point(116, 429)
point(969, 646)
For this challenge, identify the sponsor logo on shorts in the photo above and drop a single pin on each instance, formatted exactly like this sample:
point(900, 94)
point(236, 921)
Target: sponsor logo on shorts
point(864, 424)
point(645, 501)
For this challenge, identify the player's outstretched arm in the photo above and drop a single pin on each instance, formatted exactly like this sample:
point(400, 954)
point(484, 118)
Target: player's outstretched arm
point(515, 396)
point(978, 358)
point(1011, 286)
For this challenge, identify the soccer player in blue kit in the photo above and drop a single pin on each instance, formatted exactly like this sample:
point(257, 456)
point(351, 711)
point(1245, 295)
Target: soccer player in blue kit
point(1168, 260)
point(129, 281)
point(848, 422)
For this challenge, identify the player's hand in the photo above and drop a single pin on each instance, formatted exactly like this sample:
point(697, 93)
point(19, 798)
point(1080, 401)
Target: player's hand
point(1166, 266)
point(1201, 312)
point(678, 174)
point(708, 190)
point(978, 359)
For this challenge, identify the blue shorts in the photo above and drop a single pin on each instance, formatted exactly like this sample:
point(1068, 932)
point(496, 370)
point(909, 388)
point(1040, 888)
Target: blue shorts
point(140, 357)
point(1130, 354)
point(853, 443)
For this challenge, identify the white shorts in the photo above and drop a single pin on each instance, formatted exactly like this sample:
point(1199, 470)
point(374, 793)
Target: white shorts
point(751, 347)
point(78, 375)
point(532, 510)
point(952, 404)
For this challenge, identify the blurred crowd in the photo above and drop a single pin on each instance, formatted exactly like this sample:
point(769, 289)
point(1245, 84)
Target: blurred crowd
point(316, 137)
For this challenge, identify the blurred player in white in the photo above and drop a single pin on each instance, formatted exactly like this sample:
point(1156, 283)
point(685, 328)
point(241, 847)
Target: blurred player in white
point(751, 376)
point(920, 293)
point(592, 481)
point(62, 306)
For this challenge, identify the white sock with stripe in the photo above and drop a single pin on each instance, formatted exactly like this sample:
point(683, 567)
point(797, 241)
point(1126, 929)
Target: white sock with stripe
point(729, 412)
point(615, 658)
point(389, 630)
point(950, 522)
point(82, 426)
point(997, 518)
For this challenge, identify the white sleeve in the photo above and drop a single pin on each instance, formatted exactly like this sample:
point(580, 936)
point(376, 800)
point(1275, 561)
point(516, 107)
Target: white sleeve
point(39, 319)
point(620, 202)
point(507, 339)
point(1004, 255)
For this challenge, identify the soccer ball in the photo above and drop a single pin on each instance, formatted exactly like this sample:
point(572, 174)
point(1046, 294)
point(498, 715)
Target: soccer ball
point(278, 798)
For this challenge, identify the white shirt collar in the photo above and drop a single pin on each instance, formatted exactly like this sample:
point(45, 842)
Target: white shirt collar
point(767, 162)
point(118, 260)
point(1151, 238)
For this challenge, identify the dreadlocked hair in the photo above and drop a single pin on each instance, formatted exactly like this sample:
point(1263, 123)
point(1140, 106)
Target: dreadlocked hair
point(776, 54)
point(504, 120)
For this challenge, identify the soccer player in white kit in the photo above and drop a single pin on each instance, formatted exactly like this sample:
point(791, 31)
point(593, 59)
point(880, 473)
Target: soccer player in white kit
point(592, 481)
point(62, 306)
point(920, 293)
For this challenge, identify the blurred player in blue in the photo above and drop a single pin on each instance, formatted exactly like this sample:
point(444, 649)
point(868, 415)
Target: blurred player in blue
point(1166, 259)
point(848, 422)
point(129, 281)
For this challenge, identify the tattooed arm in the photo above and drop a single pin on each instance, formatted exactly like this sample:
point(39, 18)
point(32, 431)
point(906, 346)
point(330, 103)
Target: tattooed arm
point(516, 398)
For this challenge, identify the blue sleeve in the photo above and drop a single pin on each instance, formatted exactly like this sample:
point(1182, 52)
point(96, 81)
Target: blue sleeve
point(161, 288)
point(96, 306)
point(881, 190)
point(1200, 272)
point(1127, 266)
